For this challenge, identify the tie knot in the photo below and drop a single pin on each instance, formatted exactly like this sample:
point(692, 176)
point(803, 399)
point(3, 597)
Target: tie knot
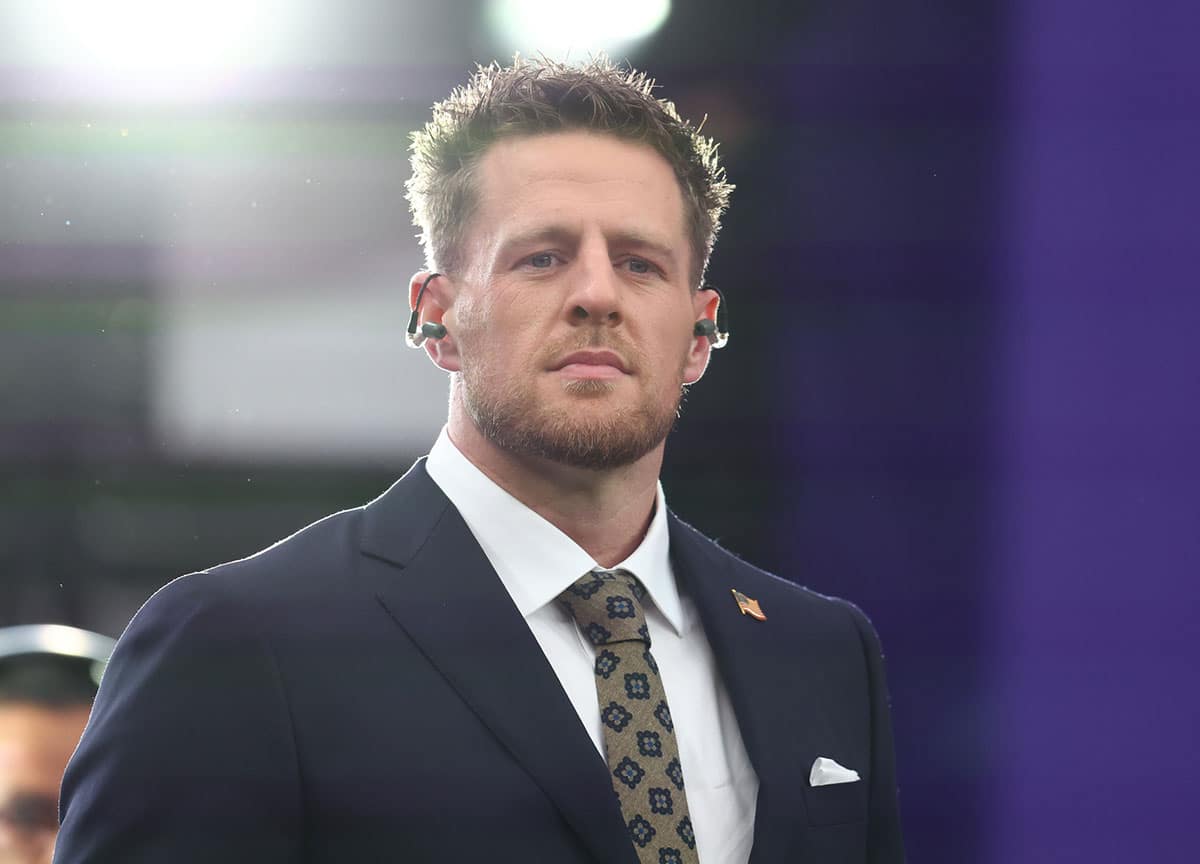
point(607, 606)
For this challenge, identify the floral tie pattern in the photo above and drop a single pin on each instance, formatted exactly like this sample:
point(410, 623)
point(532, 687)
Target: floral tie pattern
point(639, 735)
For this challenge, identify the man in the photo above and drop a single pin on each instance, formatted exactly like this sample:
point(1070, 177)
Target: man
point(410, 680)
point(48, 676)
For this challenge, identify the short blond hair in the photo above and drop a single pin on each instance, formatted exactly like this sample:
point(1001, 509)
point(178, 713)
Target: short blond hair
point(540, 96)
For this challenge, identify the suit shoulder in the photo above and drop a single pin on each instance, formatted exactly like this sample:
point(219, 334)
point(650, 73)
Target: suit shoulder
point(829, 607)
point(314, 556)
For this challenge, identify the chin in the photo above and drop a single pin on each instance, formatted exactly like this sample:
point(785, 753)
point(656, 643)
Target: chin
point(589, 387)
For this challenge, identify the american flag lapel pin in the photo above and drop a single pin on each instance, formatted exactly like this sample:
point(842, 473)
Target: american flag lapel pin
point(748, 605)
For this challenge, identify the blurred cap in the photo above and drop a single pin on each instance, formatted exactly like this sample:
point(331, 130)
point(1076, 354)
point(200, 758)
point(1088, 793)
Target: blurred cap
point(51, 662)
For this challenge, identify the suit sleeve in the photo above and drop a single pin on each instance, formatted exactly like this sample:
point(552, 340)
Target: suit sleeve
point(885, 845)
point(188, 755)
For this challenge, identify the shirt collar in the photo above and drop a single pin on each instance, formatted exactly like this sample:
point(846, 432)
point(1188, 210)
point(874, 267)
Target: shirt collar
point(535, 560)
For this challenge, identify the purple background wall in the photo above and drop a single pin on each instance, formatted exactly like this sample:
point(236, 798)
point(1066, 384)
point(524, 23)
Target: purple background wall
point(992, 341)
point(1098, 541)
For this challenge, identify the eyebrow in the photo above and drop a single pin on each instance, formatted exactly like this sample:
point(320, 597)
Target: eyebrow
point(638, 240)
point(558, 235)
point(563, 236)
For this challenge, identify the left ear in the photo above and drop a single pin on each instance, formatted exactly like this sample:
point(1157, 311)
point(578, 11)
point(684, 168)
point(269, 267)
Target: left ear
point(704, 305)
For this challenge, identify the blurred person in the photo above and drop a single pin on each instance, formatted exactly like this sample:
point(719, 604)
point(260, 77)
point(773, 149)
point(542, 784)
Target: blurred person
point(517, 652)
point(48, 677)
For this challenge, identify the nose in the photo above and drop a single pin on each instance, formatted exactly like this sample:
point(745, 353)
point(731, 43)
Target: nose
point(594, 296)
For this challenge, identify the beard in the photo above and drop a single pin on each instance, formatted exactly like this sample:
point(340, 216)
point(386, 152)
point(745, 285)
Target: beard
point(511, 416)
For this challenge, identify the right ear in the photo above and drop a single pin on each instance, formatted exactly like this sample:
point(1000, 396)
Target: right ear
point(436, 302)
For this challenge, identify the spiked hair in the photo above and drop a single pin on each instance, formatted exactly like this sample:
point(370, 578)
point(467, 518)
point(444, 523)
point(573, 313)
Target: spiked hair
point(532, 97)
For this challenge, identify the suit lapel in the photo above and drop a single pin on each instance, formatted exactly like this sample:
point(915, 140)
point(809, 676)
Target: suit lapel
point(773, 672)
point(430, 575)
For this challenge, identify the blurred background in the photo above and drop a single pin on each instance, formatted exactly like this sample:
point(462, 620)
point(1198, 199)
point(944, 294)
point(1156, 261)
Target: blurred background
point(963, 269)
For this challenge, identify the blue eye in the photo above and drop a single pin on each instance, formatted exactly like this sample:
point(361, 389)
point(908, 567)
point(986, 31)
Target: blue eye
point(637, 265)
point(541, 261)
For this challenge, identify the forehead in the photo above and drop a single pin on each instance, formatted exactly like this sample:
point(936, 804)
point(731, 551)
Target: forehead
point(578, 178)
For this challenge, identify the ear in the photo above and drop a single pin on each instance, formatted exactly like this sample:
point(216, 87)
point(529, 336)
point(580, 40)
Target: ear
point(704, 305)
point(436, 302)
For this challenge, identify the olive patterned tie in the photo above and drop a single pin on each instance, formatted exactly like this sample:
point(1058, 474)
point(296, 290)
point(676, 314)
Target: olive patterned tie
point(639, 736)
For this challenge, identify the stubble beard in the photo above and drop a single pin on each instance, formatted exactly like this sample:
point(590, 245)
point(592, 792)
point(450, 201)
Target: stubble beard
point(512, 417)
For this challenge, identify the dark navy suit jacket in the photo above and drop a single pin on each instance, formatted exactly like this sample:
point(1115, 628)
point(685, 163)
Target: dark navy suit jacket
point(367, 691)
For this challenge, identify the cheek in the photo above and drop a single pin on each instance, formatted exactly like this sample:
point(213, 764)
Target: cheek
point(493, 310)
point(465, 313)
point(670, 363)
point(470, 322)
point(491, 336)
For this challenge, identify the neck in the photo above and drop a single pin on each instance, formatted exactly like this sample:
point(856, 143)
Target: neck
point(606, 512)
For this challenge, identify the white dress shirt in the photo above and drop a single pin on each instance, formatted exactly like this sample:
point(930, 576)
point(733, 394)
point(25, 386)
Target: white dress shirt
point(537, 562)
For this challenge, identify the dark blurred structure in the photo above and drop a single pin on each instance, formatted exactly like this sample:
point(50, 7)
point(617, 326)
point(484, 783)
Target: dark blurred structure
point(961, 389)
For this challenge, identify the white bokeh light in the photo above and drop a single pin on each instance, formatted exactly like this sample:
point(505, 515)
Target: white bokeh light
point(574, 29)
point(144, 47)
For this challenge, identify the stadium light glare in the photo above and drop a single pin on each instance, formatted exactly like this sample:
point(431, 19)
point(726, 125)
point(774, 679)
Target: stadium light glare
point(149, 45)
point(573, 29)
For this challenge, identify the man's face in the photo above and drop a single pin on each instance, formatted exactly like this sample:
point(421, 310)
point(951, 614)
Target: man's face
point(35, 744)
point(573, 317)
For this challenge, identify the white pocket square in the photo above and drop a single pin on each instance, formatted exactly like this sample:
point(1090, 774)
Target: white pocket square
point(826, 771)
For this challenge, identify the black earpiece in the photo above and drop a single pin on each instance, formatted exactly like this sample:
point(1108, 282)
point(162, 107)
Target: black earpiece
point(716, 335)
point(430, 329)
